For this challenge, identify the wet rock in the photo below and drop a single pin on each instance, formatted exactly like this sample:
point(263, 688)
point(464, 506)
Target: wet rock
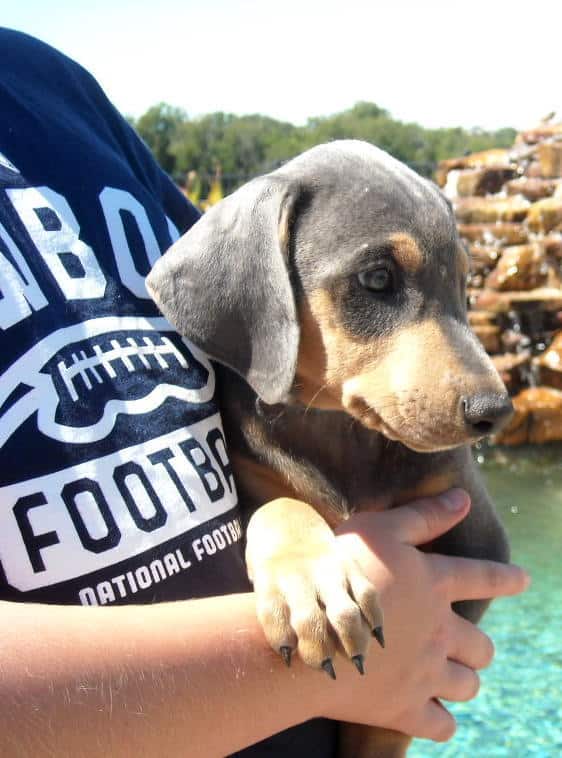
point(487, 300)
point(440, 175)
point(534, 327)
point(509, 212)
point(449, 188)
point(556, 346)
point(476, 280)
point(549, 365)
point(537, 418)
point(522, 267)
point(541, 299)
point(496, 157)
point(488, 234)
point(539, 133)
point(545, 215)
point(474, 210)
point(552, 244)
point(533, 170)
point(550, 158)
point(481, 318)
point(489, 336)
point(483, 181)
point(553, 278)
point(531, 188)
point(513, 369)
point(514, 340)
point(483, 258)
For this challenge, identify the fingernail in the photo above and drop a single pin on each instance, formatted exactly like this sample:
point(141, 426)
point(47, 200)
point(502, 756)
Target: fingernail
point(358, 660)
point(328, 667)
point(286, 653)
point(453, 500)
point(378, 635)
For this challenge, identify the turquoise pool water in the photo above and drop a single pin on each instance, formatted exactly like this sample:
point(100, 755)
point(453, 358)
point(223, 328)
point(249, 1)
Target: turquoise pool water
point(518, 712)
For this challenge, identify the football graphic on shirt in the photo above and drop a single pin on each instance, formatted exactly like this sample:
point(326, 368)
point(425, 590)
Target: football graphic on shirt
point(80, 378)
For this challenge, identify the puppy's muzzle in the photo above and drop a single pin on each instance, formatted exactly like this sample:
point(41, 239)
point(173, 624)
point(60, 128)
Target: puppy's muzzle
point(486, 413)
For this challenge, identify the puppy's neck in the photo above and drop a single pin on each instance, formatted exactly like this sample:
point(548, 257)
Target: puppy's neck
point(326, 458)
point(311, 454)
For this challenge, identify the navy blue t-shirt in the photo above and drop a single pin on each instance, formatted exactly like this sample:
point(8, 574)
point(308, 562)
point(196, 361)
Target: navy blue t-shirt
point(115, 483)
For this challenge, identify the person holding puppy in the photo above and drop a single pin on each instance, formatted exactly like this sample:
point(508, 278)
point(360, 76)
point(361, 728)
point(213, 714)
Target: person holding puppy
point(117, 491)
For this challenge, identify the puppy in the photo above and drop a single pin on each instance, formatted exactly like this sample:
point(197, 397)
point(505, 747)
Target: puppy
point(332, 293)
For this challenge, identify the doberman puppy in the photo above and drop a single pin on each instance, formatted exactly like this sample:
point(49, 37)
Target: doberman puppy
point(332, 291)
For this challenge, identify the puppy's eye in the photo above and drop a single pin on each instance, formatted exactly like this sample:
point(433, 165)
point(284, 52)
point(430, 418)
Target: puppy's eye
point(376, 279)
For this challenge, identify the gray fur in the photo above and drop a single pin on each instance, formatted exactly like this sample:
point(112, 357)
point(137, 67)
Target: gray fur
point(225, 286)
point(228, 286)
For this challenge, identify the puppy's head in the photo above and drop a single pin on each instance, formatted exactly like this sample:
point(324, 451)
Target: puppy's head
point(339, 280)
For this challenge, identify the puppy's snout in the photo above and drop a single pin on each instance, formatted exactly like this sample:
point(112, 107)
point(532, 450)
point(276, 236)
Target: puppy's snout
point(486, 413)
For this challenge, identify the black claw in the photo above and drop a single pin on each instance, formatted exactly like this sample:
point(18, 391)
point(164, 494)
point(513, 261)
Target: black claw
point(358, 660)
point(328, 667)
point(378, 635)
point(286, 653)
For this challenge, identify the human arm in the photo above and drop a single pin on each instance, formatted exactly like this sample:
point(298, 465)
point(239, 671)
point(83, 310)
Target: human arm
point(198, 677)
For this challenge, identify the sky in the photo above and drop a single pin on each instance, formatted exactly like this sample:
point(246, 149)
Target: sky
point(473, 63)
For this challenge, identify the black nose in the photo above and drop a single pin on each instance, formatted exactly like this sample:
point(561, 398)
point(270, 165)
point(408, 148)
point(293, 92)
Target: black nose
point(486, 413)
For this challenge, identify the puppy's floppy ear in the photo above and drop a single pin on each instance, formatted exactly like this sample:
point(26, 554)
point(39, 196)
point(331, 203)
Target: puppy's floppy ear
point(225, 285)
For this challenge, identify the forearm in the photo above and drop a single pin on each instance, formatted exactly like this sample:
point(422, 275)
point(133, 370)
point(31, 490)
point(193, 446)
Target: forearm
point(194, 677)
point(197, 677)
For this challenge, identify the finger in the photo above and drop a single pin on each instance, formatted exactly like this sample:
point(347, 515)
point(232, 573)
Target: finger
point(470, 646)
point(436, 723)
point(428, 518)
point(460, 684)
point(472, 579)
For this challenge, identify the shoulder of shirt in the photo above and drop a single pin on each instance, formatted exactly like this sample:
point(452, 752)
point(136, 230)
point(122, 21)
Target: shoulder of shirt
point(24, 56)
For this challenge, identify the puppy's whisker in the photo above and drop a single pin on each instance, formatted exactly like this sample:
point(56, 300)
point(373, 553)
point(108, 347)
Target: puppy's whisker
point(313, 398)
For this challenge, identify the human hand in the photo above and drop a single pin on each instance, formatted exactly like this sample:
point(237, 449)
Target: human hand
point(431, 652)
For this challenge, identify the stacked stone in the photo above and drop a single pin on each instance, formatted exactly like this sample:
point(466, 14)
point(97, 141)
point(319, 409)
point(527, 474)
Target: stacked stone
point(508, 204)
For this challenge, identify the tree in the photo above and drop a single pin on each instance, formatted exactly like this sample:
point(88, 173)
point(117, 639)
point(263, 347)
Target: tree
point(245, 146)
point(158, 128)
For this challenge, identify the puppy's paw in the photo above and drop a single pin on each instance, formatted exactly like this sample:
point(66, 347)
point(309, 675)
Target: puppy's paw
point(309, 595)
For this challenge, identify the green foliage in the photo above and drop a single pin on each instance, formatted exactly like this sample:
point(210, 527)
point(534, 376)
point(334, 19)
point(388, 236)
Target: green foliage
point(241, 145)
point(246, 146)
point(158, 128)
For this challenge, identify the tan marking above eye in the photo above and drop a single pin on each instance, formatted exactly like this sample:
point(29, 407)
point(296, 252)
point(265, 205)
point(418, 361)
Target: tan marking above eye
point(407, 252)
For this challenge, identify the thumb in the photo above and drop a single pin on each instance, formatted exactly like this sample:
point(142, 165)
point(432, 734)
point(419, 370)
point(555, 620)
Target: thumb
point(426, 519)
